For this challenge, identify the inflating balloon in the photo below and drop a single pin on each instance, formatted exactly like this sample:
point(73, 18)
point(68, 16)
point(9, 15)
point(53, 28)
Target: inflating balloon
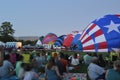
point(49, 38)
point(59, 41)
point(69, 38)
point(101, 35)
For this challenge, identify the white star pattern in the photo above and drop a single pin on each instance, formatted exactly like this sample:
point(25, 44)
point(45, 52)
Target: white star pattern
point(112, 27)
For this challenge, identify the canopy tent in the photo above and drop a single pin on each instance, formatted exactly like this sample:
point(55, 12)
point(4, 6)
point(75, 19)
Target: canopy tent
point(38, 43)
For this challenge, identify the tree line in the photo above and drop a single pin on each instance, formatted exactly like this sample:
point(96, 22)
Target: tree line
point(7, 32)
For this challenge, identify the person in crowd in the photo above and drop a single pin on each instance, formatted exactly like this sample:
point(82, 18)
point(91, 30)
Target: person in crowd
point(101, 61)
point(1, 56)
point(113, 55)
point(75, 61)
point(38, 60)
point(64, 62)
point(1, 61)
point(54, 54)
point(114, 73)
point(35, 65)
point(29, 73)
point(95, 72)
point(43, 56)
point(51, 70)
point(33, 53)
point(48, 56)
point(18, 64)
point(21, 72)
point(70, 58)
point(13, 56)
point(7, 69)
point(87, 58)
point(59, 65)
point(26, 56)
point(66, 57)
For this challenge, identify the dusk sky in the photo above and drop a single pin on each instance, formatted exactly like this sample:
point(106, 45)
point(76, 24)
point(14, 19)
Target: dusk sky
point(40, 17)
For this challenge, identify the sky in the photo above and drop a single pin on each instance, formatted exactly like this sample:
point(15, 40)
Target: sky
point(40, 17)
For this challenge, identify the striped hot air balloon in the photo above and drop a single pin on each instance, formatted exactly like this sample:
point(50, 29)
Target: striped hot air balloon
point(101, 35)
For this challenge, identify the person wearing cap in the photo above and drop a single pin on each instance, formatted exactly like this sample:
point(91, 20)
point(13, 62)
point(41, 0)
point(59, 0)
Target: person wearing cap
point(114, 73)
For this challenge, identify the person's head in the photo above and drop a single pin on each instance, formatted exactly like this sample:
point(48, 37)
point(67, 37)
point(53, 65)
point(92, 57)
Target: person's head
point(94, 54)
point(7, 57)
point(23, 65)
point(100, 56)
point(89, 54)
point(55, 54)
point(49, 53)
point(19, 57)
point(94, 60)
point(75, 55)
point(61, 55)
point(27, 67)
point(117, 65)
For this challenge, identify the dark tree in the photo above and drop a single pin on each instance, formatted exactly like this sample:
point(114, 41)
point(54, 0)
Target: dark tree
point(6, 32)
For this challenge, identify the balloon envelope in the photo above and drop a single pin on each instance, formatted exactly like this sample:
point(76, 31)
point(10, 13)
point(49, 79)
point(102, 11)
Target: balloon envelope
point(59, 41)
point(76, 38)
point(101, 35)
point(49, 38)
point(69, 38)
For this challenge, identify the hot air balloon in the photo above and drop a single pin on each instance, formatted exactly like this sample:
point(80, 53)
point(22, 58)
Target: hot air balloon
point(75, 40)
point(101, 35)
point(69, 38)
point(50, 38)
point(59, 41)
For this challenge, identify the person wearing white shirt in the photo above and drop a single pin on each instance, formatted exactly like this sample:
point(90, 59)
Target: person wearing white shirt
point(74, 60)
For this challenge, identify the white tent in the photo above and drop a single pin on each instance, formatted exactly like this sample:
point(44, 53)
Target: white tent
point(38, 43)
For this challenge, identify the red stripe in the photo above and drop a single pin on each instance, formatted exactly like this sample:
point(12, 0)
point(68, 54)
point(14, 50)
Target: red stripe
point(103, 45)
point(91, 27)
point(117, 15)
point(83, 35)
point(97, 33)
point(86, 40)
point(90, 47)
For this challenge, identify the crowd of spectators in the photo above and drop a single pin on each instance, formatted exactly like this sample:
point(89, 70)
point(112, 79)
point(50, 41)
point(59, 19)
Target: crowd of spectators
point(34, 65)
